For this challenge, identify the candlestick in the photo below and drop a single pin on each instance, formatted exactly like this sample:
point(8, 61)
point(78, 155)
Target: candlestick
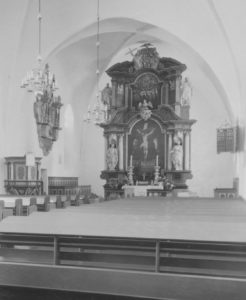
point(130, 175)
point(157, 160)
point(131, 161)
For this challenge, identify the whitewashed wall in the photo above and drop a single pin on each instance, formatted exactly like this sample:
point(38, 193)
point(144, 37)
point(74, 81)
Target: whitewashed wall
point(206, 35)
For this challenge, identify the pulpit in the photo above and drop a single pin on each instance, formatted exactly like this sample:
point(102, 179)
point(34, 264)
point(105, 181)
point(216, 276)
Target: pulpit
point(148, 130)
point(23, 175)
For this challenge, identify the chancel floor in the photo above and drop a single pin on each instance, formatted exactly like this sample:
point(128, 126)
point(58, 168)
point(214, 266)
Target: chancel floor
point(202, 219)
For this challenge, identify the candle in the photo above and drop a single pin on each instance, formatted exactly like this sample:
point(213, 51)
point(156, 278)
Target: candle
point(157, 160)
point(131, 161)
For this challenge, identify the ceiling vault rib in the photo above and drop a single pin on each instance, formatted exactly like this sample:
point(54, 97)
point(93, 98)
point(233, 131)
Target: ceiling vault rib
point(222, 28)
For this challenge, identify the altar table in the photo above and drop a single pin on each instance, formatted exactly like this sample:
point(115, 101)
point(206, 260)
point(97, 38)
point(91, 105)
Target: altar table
point(139, 190)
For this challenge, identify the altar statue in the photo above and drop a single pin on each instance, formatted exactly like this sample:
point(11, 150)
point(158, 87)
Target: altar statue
point(177, 154)
point(106, 95)
point(112, 156)
point(186, 92)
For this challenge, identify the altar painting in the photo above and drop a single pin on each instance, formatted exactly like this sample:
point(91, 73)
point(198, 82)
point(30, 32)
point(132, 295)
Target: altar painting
point(145, 148)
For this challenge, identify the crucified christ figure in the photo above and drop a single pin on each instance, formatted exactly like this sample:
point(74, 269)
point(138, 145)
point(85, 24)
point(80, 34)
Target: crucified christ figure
point(145, 133)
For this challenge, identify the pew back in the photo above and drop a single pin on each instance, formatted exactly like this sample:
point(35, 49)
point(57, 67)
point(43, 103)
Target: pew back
point(23, 206)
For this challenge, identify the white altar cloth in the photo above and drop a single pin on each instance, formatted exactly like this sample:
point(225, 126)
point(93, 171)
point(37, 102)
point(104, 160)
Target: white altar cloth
point(139, 190)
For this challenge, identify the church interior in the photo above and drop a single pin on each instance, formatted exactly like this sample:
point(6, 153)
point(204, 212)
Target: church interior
point(122, 155)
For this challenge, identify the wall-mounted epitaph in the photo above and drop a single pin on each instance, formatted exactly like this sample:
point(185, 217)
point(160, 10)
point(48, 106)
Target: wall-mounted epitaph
point(47, 113)
point(228, 139)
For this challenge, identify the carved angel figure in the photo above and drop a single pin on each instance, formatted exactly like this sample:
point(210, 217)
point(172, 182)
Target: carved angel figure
point(186, 92)
point(106, 95)
point(112, 157)
point(177, 154)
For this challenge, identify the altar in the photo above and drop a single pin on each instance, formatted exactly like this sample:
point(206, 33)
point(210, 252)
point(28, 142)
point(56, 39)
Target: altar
point(142, 190)
point(148, 129)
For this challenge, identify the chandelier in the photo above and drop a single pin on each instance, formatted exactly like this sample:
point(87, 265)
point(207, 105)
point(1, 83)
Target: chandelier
point(99, 112)
point(39, 80)
point(47, 106)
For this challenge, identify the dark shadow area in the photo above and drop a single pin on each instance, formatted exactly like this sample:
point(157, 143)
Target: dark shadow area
point(16, 293)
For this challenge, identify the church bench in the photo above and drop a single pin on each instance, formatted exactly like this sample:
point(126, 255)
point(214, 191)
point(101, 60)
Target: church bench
point(31, 248)
point(66, 200)
point(44, 203)
point(112, 253)
point(77, 200)
point(63, 201)
point(12, 206)
point(219, 259)
point(29, 205)
point(52, 200)
point(203, 257)
point(1, 209)
point(172, 256)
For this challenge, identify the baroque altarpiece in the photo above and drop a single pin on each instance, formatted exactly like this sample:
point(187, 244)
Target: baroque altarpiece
point(148, 126)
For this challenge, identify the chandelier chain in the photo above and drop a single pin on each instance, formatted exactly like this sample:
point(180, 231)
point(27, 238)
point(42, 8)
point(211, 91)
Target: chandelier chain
point(99, 112)
point(98, 48)
point(39, 30)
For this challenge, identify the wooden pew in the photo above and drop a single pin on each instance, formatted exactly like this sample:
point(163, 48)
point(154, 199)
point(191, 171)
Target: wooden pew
point(29, 205)
point(67, 201)
point(53, 200)
point(43, 203)
point(63, 201)
point(77, 200)
point(1, 209)
point(12, 206)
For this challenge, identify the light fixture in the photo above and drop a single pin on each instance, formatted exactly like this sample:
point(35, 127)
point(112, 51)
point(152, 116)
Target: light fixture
point(39, 80)
point(99, 113)
point(47, 106)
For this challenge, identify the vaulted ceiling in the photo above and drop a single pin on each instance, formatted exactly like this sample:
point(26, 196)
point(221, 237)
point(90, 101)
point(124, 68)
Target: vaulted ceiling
point(209, 32)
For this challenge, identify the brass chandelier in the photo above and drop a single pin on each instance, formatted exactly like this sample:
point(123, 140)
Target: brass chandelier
point(39, 79)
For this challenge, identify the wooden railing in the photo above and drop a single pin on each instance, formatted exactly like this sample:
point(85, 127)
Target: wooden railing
point(23, 187)
point(63, 181)
point(148, 255)
point(74, 190)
